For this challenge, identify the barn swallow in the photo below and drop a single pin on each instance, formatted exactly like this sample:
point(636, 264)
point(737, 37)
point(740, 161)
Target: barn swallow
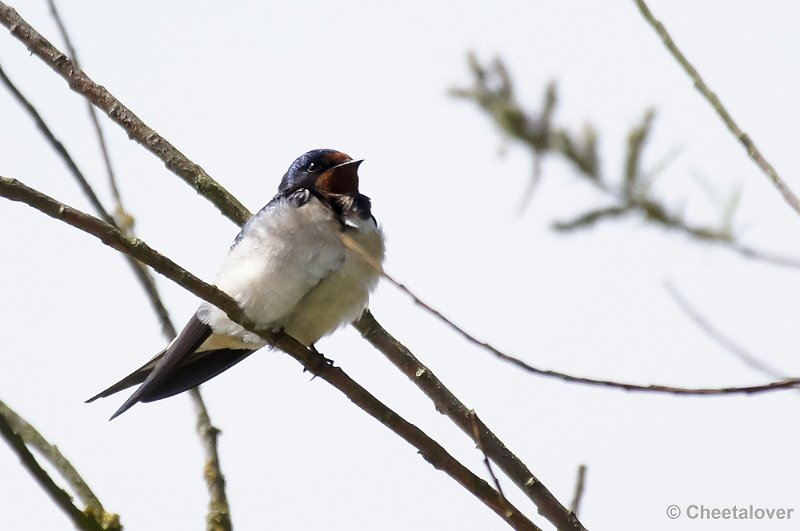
point(287, 269)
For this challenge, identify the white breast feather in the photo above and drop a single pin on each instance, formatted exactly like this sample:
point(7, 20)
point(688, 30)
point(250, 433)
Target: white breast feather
point(291, 271)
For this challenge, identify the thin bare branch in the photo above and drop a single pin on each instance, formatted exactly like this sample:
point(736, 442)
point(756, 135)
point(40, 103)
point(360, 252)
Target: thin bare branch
point(788, 383)
point(580, 487)
point(720, 109)
point(312, 361)
point(58, 147)
point(476, 435)
point(60, 497)
point(727, 343)
point(78, 81)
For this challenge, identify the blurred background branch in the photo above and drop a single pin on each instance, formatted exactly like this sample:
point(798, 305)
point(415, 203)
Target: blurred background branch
point(746, 357)
point(631, 194)
point(580, 488)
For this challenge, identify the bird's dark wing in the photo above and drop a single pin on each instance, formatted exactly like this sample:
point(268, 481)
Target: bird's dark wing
point(195, 370)
point(201, 368)
point(179, 368)
point(134, 378)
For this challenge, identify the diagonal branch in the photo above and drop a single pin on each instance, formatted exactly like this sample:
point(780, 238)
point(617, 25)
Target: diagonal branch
point(720, 109)
point(78, 81)
point(141, 273)
point(448, 404)
point(32, 437)
point(57, 146)
point(63, 500)
point(757, 254)
point(314, 362)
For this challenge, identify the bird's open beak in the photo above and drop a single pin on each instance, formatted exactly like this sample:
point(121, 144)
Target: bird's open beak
point(341, 179)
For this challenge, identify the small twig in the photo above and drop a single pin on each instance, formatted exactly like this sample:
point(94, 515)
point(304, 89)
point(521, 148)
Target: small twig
point(312, 361)
point(756, 254)
point(727, 343)
point(588, 219)
point(533, 184)
point(720, 109)
point(636, 141)
point(78, 81)
point(476, 436)
point(657, 388)
point(60, 497)
point(580, 486)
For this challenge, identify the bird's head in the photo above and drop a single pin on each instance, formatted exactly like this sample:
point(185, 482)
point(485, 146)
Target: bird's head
point(325, 170)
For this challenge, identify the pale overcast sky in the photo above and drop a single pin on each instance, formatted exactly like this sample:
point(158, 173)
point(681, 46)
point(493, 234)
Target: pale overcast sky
point(243, 88)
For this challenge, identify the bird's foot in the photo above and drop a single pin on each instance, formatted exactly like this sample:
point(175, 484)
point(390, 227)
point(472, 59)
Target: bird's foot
point(327, 361)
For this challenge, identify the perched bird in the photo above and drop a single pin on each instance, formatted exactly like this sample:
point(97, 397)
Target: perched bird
point(288, 269)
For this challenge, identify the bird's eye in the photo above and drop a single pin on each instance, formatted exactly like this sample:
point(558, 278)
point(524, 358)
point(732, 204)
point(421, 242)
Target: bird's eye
point(312, 167)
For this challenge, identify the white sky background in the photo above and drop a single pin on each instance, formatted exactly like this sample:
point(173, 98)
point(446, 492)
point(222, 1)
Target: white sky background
point(244, 88)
